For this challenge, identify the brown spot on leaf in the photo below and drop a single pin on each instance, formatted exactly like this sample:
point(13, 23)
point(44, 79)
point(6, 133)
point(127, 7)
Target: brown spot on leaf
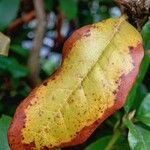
point(70, 101)
point(114, 92)
point(45, 83)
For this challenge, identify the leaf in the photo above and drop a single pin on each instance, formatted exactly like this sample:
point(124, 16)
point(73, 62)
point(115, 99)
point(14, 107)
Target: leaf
point(100, 64)
point(52, 63)
point(143, 113)
point(4, 124)
point(106, 2)
point(103, 12)
point(4, 44)
point(49, 67)
point(85, 17)
point(142, 91)
point(138, 137)
point(143, 69)
point(100, 144)
point(145, 34)
point(8, 11)
point(12, 67)
point(71, 11)
point(48, 4)
point(132, 95)
point(17, 49)
point(121, 144)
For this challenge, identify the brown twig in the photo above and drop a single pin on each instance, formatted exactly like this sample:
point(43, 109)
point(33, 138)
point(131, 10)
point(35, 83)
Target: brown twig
point(138, 11)
point(59, 40)
point(59, 22)
point(33, 62)
point(22, 20)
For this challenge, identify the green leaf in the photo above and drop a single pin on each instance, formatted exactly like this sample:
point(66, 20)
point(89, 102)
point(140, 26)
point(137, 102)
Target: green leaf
point(143, 113)
point(69, 7)
point(138, 137)
point(106, 2)
point(103, 12)
point(100, 144)
point(8, 11)
point(146, 35)
point(49, 67)
point(19, 50)
point(85, 18)
point(4, 125)
point(121, 144)
point(132, 95)
point(142, 91)
point(48, 4)
point(11, 66)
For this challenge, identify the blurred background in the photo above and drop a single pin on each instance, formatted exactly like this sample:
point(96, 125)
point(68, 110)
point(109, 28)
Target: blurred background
point(18, 20)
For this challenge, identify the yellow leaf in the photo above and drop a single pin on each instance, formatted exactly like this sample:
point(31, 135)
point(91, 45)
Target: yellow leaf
point(100, 64)
point(4, 44)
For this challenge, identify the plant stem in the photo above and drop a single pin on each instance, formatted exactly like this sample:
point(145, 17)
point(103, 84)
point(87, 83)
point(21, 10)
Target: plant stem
point(25, 18)
point(137, 10)
point(113, 140)
point(33, 62)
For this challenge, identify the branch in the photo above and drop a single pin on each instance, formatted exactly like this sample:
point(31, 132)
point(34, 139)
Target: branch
point(138, 11)
point(33, 62)
point(113, 140)
point(20, 21)
point(58, 26)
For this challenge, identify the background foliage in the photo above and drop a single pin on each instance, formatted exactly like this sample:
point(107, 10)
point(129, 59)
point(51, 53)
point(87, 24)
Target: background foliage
point(128, 128)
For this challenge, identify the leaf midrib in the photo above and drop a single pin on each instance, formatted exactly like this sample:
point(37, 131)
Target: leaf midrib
point(103, 50)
